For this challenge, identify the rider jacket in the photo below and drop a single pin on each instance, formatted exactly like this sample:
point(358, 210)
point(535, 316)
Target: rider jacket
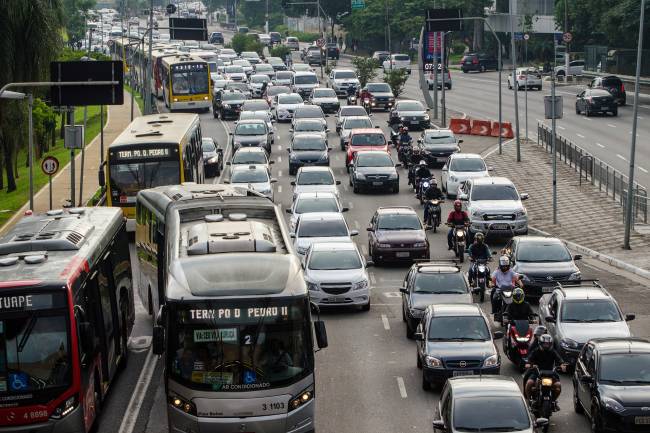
point(365, 94)
point(479, 252)
point(458, 217)
point(351, 91)
point(519, 311)
point(405, 138)
point(423, 172)
point(544, 359)
point(433, 193)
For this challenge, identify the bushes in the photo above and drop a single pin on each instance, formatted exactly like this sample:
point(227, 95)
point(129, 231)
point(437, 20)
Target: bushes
point(366, 69)
point(396, 79)
point(280, 51)
point(302, 36)
point(245, 42)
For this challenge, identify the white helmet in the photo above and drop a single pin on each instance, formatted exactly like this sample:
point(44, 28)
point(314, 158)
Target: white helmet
point(422, 162)
point(504, 261)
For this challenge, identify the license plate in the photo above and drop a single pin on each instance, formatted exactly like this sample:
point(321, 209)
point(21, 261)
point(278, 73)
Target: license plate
point(403, 254)
point(337, 299)
point(500, 226)
point(463, 373)
point(414, 122)
point(377, 183)
point(547, 289)
point(191, 103)
point(604, 108)
point(645, 420)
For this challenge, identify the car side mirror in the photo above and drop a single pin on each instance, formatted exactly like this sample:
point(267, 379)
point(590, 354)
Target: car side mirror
point(498, 335)
point(230, 133)
point(418, 336)
point(403, 290)
point(420, 140)
point(327, 130)
point(541, 422)
point(523, 196)
point(228, 163)
point(321, 334)
point(398, 165)
point(461, 141)
point(293, 183)
point(338, 182)
point(490, 168)
point(289, 211)
point(462, 197)
point(439, 424)
point(158, 340)
point(271, 162)
point(329, 149)
point(288, 149)
point(370, 229)
point(354, 232)
point(226, 182)
point(550, 319)
point(587, 379)
point(274, 180)
point(345, 209)
point(292, 235)
point(630, 317)
point(369, 263)
point(376, 126)
point(101, 177)
point(291, 130)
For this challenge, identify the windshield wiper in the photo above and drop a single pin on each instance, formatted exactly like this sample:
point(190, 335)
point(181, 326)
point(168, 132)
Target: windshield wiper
point(28, 331)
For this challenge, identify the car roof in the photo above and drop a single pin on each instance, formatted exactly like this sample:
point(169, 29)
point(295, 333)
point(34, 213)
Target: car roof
point(334, 246)
point(438, 132)
point(251, 121)
point(244, 167)
point(301, 73)
point(484, 386)
point(315, 195)
point(311, 135)
point(466, 155)
point(367, 131)
point(539, 239)
point(322, 216)
point(491, 181)
point(250, 149)
point(584, 293)
point(621, 345)
point(451, 310)
point(315, 168)
point(384, 210)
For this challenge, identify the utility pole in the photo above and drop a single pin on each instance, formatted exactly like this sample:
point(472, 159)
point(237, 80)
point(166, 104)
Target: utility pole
point(553, 148)
point(436, 64)
point(566, 46)
point(635, 112)
point(442, 75)
point(514, 77)
point(149, 68)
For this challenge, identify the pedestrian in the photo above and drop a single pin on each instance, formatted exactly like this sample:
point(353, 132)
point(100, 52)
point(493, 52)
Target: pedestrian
point(340, 42)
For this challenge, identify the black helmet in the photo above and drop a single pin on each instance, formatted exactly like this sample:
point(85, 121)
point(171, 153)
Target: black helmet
point(540, 330)
point(546, 342)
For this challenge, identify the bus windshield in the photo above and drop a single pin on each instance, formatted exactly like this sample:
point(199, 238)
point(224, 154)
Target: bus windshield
point(240, 345)
point(34, 345)
point(191, 79)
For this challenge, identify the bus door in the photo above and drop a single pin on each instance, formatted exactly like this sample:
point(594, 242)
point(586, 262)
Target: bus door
point(107, 312)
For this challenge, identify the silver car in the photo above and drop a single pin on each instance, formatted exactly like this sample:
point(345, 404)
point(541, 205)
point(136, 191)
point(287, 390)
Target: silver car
point(320, 227)
point(255, 177)
point(310, 202)
point(315, 179)
point(350, 123)
point(336, 275)
point(250, 156)
point(286, 105)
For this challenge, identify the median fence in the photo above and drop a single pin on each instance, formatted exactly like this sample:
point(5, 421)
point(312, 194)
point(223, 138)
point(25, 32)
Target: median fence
point(598, 173)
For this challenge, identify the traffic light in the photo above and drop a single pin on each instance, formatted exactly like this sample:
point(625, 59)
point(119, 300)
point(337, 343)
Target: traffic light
point(285, 3)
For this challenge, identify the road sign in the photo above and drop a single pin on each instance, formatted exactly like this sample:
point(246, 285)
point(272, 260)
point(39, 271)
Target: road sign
point(189, 29)
point(79, 96)
point(450, 20)
point(74, 137)
point(320, 42)
point(357, 4)
point(50, 165)
point(171, 8)
point(567, 37)
point(519, 36)
point(526, 36)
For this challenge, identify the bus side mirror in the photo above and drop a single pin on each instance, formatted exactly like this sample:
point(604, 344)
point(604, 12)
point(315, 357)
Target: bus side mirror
point(158, 340)
point(87, 336)
point(321, 334)
point(101, 177)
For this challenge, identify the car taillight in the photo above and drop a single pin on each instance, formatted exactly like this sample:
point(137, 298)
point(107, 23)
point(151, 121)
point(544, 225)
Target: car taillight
point(522, 77)
point(475, 61)
point(622, 87)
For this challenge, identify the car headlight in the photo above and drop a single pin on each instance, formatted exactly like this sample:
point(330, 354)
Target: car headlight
point(613, 405)
point(359, 285)
point(393, 176)
point(568, 343)
point(477, 214)
point(575, 276)
point(419, 245)
point(402, 118)
point(492, 361)
point(360, 176)
point(383, 245)
point(64, 408)
point(521, 213)
point(312, 286)
point(432, 362)
point(213, 160)
point(226, 105)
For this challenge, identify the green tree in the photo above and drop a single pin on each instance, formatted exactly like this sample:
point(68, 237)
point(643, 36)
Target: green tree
point(280, 51)
point(396, 79)
point(333, 8)
point(366, 69)
point(75, 14)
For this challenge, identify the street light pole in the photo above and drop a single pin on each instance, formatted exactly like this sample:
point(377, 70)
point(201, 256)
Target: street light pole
point(514, 79)
point(566, 46)
point(635, 112)
point(149, 68)
point(30, 105)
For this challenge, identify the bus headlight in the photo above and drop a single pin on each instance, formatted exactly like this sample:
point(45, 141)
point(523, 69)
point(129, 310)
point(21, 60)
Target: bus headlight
point(181, 404)
point(64, 408)
point(301, 399)
point(175, 99)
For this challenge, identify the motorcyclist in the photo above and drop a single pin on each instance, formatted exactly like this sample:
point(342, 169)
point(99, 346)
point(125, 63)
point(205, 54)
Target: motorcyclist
point(422, 171)
point(456, 217)
point(534, 344)
point(352, 91)
point(502, 277)
point(431, 193)
point(404, 137)
point(544, 358)
point(364, 94)
point(519, 309)
point(479, 250)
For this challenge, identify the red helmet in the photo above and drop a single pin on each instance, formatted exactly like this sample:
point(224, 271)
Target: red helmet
point(458, 204)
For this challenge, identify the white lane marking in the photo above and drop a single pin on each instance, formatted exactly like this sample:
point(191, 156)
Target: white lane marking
point(639, 117)
point(345, 187)
point(392, 294)
point(384, 320)
point(561, 127)
point(618, 155)
point(350, 205)
point(642, 169)
point(402, 388)
point(279, 147)
point(580, 135)
point(226, 155)
point(586, 118)
point(279, 173)
point(356, 224)
point(611, 126)
point(373, 280)
point(364, 250)
point(279, 189)
point(600, 145)
point(137, 398)
point(279, 159)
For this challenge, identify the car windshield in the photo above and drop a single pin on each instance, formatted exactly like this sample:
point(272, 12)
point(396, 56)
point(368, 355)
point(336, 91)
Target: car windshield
point(401, 57)
point(235, 96)
point(233, 69)
point(399, 221)
point(301, 142)
point(190, 82)
point(277, 90)
point(309, 125)
point(249, 176)
point(542, 252)
point(410, 106)
point(354, 110)
point(324, 93)
point(322, 228)
point(476, 414)
point(369, 139)
point(440, 283)
point(458, 328)
point(291, 98)
point(494, 192)
point(374, 160)
point(208, 146)
point(307, 205)
point(345, 75)
point(250, 129)
point(309, 112)
point(242, 87)
point(439, 139)
point(357, 123)
point(315, 178)
point(305, 79)
point(470, 165)
point(586, 311)
point(260, 79)
point(283, 75)
point(378, 87)
point(262, 67)
point(250, 54)
point(256, 105)
point(334, 260)
point(625, 368)
point(249, 158)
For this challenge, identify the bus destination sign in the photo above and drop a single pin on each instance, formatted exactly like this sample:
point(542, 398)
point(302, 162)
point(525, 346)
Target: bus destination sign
point(189, 67)
point(240, 313)
point(40, 301)
point(147, 153)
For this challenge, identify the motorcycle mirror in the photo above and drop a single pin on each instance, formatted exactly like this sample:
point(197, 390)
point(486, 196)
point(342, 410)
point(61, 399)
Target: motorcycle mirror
point(418, 336)
point(587, 379)
point(630, 317)
point(550, 319)
point(498, 335)
point(577, 257)
point(403, 290)
point(541, 422)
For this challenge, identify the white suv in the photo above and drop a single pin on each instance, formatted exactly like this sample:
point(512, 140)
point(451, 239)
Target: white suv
point(459, 168)
point(494, 206)
point(397, 61)
point(342, 79)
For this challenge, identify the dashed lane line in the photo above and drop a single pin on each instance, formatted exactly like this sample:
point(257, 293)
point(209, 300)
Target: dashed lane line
point(402, 388)
point(611, 126)
point(580, 135)
point(618, 155)
point(643, 169)
point(384, 320)
point(600, 145)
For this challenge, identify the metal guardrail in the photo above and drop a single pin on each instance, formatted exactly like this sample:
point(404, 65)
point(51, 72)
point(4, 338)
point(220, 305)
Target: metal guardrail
point(597, 172)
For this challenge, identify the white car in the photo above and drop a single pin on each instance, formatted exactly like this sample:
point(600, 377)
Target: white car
point(264, 68)
point(397, 61)
point(264, 115)
point(315, 179)
point(292, 43)
point(253, 155)
point(526, 77)
point(255, 177)
point(575, 68)
point(348, 111)
point(283, 78)
point(320, 227)
point(286, 104)
point(301, 67)
point(494, 206)
point(459, 168)
point(336, 275)
point(264, 38)
point(350, 123)
point(228, 54)
point(245, 64)
point(342, 79)
point(256, 83)
point(304, 83)
point(235, 73)
point(325, 99)
point(251, 56)
point(309, 202)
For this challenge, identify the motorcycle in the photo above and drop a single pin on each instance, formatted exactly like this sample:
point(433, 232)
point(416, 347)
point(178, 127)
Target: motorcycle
point(505, 299)
point(459, 240)
point(366, 105)
point(404, 154)
point(517, 342)
point(420, 183)
point(433, 214)
point(395, 133)
point(480, 277)
point(352, 99)
point(542, 402)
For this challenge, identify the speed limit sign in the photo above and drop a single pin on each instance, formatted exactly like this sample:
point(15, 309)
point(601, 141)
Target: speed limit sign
point(320, 42)
point(50, 165)
point(526, 36)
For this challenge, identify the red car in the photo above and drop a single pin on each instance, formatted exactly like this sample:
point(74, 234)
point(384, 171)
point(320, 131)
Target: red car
point(365, 139)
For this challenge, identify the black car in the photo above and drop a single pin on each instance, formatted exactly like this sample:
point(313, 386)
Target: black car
point(227, 104)
point(410, 113)
point(478, 62)
point(374, 170)
point(436, 145)
point(613, 85)
point(542, 262)
point(428, 283)
point(611, 384)
point(216, 38)
point(591, 101)
point(455, 340)
point(333, 51)
point(307, 149)
point(212, 157)
point(381, 95)
point(276, 38)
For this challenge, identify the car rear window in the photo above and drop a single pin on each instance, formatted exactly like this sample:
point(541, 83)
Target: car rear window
point(440, 283)
point(316, 205)
point(368, 140)
point(612, 81)
point(402, 57)
point(474, 414)
point(322, 228)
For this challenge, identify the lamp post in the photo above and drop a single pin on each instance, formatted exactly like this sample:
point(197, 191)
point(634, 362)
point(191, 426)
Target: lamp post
point(514, 77)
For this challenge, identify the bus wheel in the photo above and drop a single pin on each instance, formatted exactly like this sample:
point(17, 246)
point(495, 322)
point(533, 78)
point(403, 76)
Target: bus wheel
point(125, 338)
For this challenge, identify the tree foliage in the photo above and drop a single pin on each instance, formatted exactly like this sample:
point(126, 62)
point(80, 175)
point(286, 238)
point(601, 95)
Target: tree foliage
point(366, 69)
point(75, 13)
point(245, 42)
point(280, 51)
point(396, 79)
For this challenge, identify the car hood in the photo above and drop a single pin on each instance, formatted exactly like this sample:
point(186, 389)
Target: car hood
point(382, 94)
point(282, 81)
point(468, 174)
point(420, 301)
point(376, 170)
point(583, 332)
point(306, 242)
point(288, 106)
point(467, 350)
point(628, 396)
point(315, 188)
point(400, 236)
point(497, 205)
point(249, 139)
point(544, 269)
point(411, 113)
point(307, 155)
point(336, 276)
point(326, 100)
point(208, 155)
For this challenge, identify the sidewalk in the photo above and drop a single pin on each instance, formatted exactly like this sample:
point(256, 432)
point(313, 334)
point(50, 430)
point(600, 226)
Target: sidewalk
point(118, 118)
point(585, 216)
